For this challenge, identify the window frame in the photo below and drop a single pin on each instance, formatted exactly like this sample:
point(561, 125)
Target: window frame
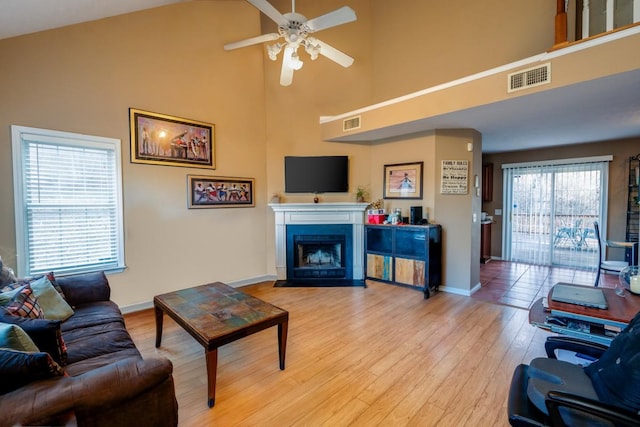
point(19, 136)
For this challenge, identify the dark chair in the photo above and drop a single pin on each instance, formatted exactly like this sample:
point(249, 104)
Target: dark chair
point(605, 265)
point(552, 392)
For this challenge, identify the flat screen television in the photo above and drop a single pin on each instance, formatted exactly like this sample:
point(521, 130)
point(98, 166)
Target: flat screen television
point(316, 174)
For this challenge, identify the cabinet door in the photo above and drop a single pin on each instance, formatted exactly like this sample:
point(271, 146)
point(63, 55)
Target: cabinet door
point(410, 271)
point(380, 267)
point(487, 182)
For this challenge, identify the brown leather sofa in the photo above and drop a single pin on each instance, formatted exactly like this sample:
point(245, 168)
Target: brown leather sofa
point(107, 382)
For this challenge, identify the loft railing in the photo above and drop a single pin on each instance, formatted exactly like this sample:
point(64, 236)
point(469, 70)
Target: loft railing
point(591, 18)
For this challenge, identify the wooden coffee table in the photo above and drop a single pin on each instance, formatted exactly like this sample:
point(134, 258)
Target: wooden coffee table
point(217, 314)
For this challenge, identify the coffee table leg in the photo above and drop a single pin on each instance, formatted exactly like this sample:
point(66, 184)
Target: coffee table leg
point(159, 316)
point(212, 367)
point(282, 341)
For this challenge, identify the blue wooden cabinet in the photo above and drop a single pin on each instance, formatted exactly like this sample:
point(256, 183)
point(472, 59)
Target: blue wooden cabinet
point(406, 255)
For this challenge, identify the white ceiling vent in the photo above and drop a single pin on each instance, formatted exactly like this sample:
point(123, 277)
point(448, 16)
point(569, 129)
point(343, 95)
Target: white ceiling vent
point(351, 123)
point(524, 79)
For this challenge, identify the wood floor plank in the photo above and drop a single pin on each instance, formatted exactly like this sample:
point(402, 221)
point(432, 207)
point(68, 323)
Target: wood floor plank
point(380, 355)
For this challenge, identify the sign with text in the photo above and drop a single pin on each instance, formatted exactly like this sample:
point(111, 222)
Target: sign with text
point(454, 177)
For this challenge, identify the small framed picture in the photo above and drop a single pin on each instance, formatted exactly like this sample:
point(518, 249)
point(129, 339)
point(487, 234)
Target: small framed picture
point(403, 181)
point(159, 139)
point(220, 192)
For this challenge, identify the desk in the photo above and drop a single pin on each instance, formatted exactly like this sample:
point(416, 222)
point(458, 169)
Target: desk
point(592, 324)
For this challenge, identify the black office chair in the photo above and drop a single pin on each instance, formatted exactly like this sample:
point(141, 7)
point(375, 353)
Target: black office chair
point(605, 265)
point(551, 392)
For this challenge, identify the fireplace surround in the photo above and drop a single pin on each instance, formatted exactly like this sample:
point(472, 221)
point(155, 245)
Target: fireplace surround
point(323, 219)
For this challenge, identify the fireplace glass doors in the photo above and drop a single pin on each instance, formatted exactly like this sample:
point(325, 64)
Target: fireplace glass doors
point(319, 252)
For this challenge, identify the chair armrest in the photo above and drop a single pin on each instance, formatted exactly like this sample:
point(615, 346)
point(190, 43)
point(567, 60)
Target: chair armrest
point(556, 400)
point(92, 392)
point(576, 345)
point(85, 288)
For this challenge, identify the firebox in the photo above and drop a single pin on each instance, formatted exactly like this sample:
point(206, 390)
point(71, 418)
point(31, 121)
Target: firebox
point(319, 252)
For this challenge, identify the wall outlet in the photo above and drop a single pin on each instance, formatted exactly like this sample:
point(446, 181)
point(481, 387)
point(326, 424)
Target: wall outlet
point(498, 212)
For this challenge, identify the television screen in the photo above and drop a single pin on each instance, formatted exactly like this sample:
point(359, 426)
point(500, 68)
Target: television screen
point(320, 174)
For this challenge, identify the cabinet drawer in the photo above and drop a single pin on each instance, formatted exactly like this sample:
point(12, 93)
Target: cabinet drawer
point(410, 271)
point(380, 267)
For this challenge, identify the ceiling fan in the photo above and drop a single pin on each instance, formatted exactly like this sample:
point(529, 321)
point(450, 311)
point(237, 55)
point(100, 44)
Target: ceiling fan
point(295, 29)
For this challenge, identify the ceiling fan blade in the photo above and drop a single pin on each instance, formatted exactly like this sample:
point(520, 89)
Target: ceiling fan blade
point(253, 40)
point(286, 74)
point(334, 54)
point(337, 17)
point(266, 8)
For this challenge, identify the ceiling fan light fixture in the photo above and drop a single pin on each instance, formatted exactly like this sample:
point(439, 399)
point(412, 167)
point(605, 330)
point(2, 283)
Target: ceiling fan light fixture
point(294, 62)
point(312, 50)
point(273, 51)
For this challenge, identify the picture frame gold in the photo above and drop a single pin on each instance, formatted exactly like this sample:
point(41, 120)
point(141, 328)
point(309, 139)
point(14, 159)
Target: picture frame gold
point(403, 181)
point(160, 139)
point(206, 192)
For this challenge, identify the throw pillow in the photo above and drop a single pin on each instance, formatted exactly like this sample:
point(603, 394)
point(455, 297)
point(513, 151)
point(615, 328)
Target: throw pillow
point(25, 304)
point(45, 334)
point(13, 337)
point(18, 368)
point(52, 304)
point(52, 279)
point(8, 292)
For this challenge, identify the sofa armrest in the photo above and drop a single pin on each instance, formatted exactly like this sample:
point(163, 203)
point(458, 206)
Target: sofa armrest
point(94, 392)
point(85, 288)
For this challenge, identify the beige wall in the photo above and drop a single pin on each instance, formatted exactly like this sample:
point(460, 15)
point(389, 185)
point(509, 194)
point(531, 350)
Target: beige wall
point(83, 78)
point(617, 191)
point(422, 43)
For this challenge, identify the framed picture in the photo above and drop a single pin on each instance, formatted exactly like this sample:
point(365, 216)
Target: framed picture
point(220, 192)
point(159, 139)
point(403, 181)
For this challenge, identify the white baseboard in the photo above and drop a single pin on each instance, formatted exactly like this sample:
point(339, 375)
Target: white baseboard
point(132, 308)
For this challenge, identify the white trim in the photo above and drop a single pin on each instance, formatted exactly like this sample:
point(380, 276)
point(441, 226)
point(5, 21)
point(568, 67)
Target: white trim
point(24, 133)
point(594, 159)
point(511, 66)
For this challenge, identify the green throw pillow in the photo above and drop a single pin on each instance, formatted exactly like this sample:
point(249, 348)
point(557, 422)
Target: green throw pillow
point(53, 305)
point(7, 293)
point(14, 338)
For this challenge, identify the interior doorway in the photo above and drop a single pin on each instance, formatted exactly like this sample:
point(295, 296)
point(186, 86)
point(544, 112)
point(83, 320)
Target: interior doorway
point(550, 208)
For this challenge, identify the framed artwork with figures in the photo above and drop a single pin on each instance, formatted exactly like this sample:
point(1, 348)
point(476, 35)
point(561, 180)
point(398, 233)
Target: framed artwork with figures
point(403, 181)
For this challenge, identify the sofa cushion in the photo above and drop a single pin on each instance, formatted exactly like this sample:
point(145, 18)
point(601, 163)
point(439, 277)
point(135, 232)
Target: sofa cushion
point(96, 313)
point(25, 304)
point(85, 288)
point(18, 368)
point(15, 338)
point(97, 340)
point(52, 304)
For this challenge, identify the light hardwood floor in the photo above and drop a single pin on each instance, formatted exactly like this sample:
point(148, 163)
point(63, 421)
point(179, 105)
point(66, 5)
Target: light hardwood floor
point(380, 355)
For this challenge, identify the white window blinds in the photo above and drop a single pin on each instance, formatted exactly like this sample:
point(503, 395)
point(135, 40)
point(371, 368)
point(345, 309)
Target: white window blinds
point(550, 208)
point(68, 202)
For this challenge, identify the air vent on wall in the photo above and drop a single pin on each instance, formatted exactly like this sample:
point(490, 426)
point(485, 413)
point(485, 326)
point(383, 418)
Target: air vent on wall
point(351, 123)
point(530, 77)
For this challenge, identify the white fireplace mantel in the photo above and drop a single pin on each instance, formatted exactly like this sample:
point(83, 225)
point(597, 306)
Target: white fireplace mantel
point(319, 214)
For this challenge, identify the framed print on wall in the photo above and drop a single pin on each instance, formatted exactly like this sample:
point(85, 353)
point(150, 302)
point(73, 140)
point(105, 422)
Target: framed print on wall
point(403, 181)
point(159, 139)
point(219, 192)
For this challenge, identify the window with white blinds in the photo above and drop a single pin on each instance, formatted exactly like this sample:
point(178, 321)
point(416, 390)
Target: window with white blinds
point(68, 202)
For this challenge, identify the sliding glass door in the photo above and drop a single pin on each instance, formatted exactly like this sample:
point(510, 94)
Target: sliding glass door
point(550, 208)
